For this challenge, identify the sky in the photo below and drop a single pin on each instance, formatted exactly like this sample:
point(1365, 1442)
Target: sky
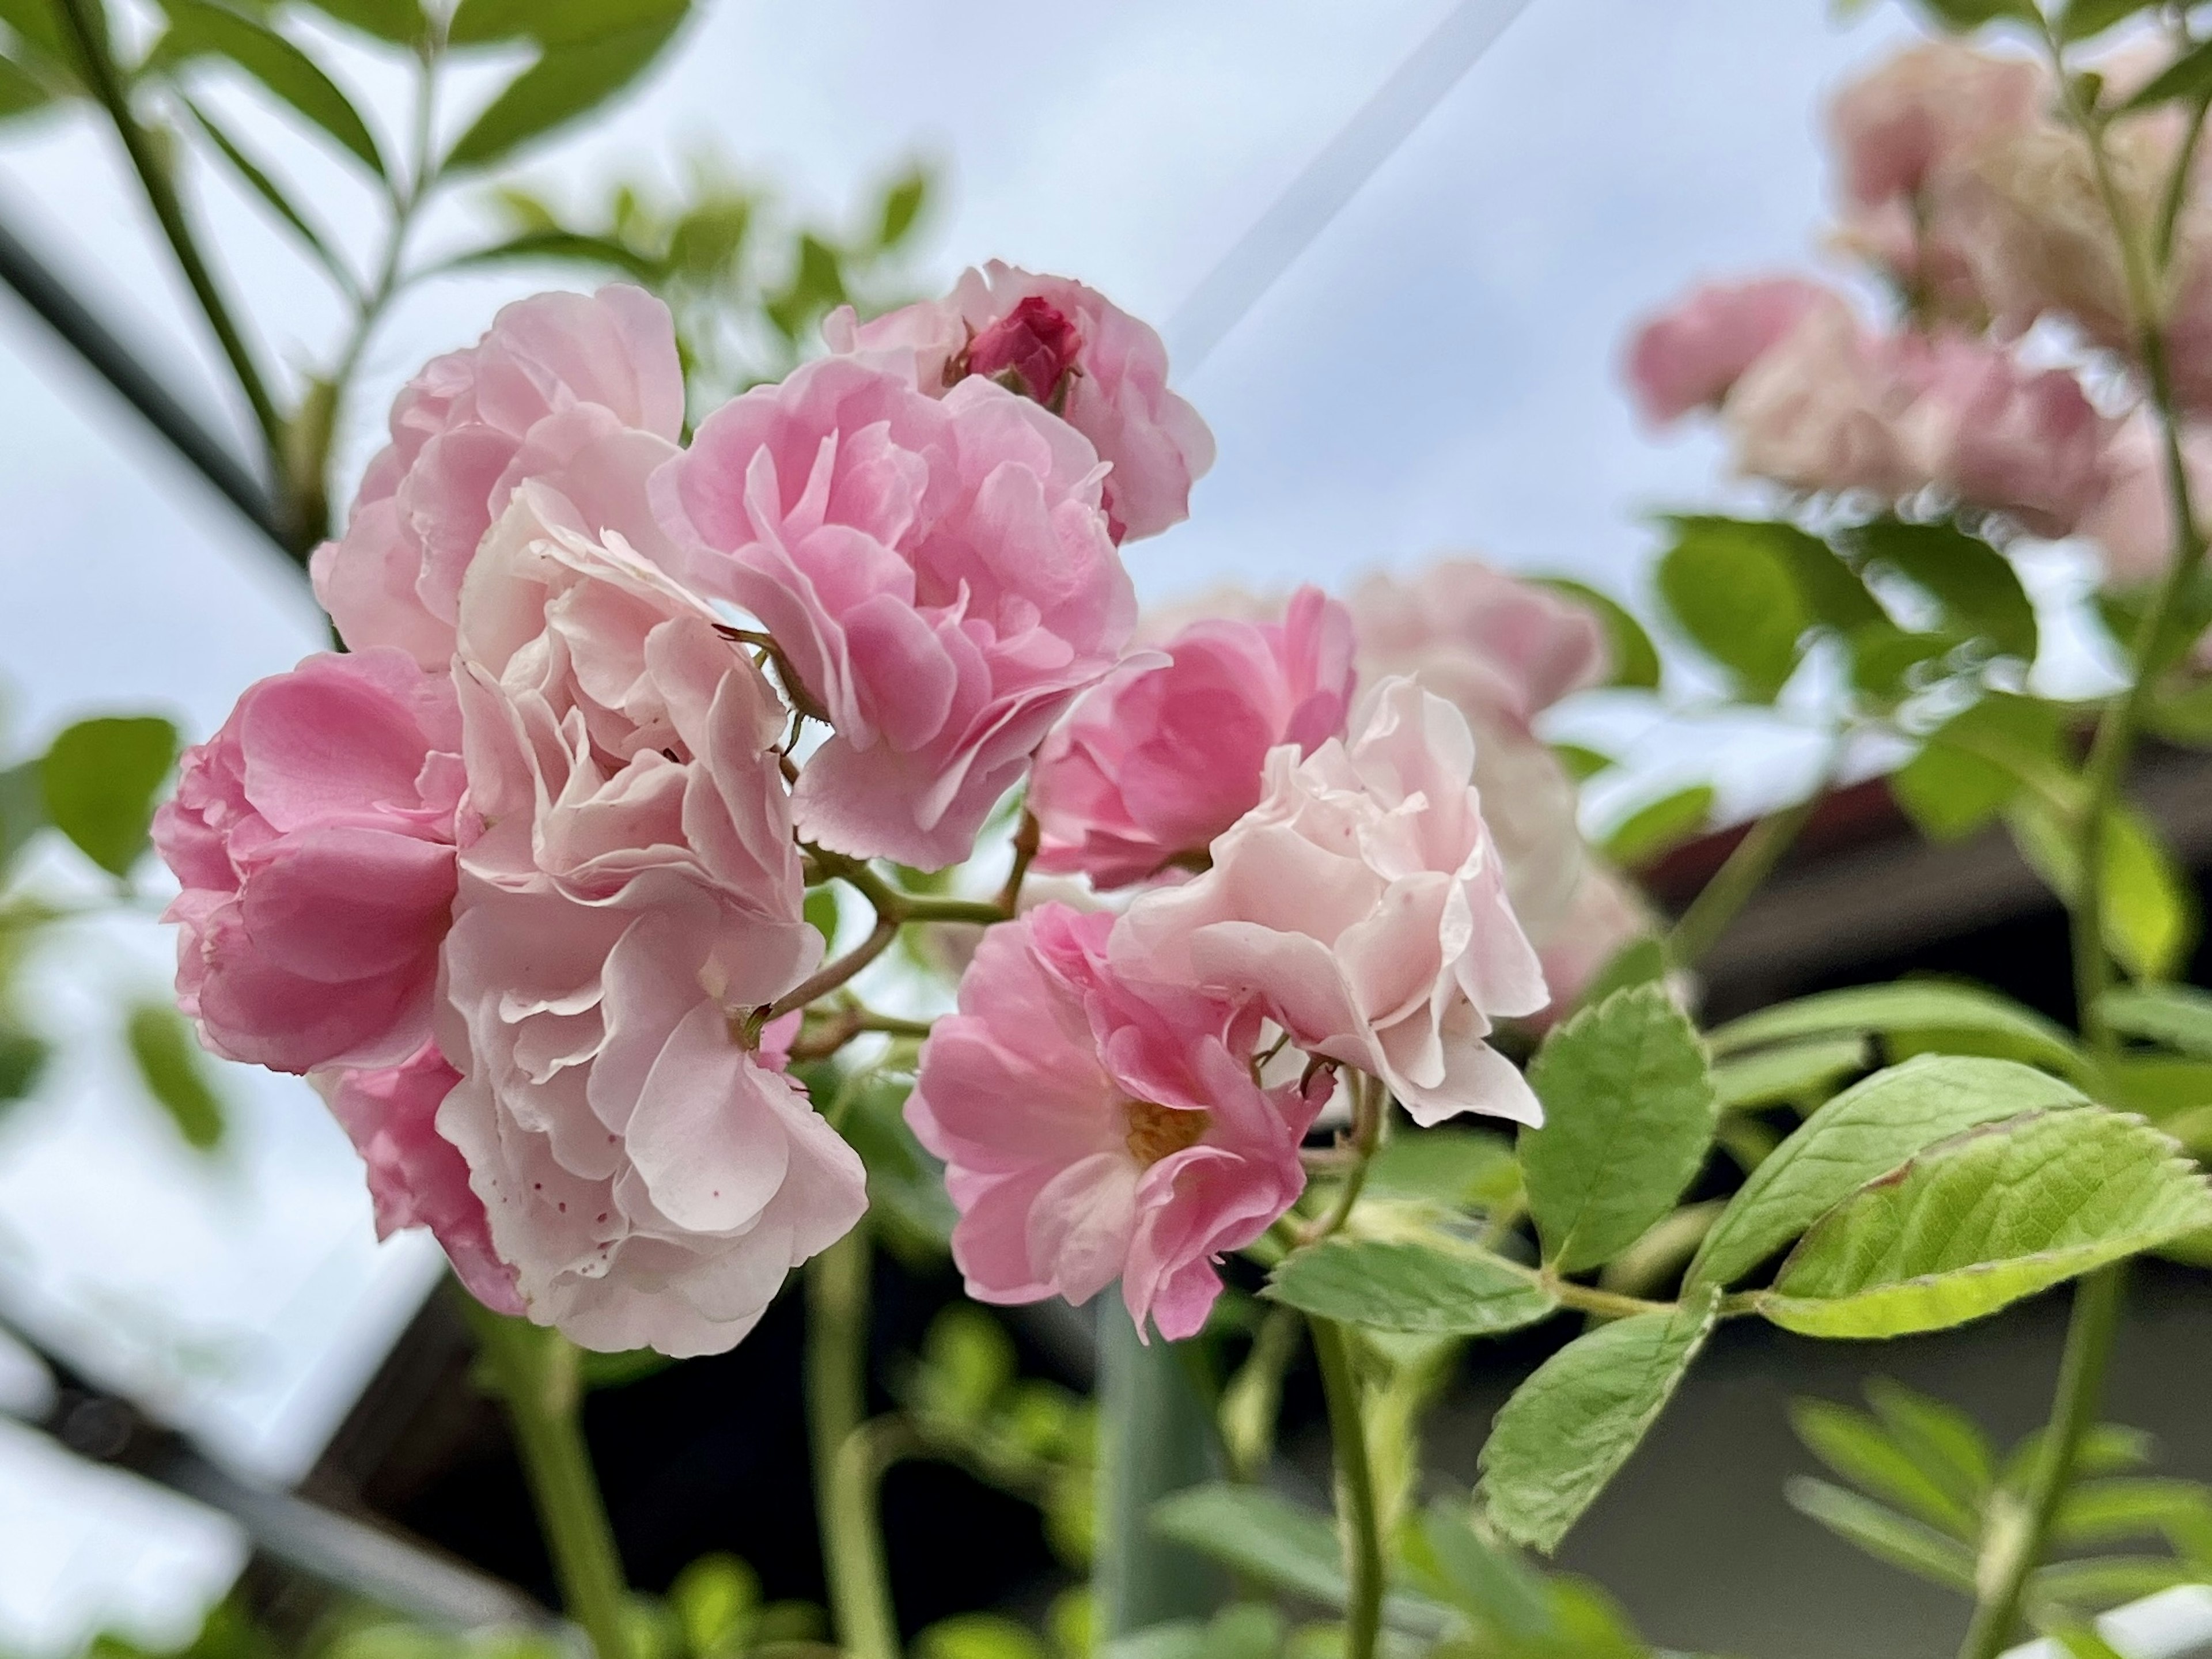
point(1437, 373)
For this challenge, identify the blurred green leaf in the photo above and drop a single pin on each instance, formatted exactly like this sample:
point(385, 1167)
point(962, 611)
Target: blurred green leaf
point(1973, 765)
point(1798, 1073)
point(23, 1056)
point(817, 282)
point(714, 1599)
point(1397, 1285)
point(1640, 961)
point(620, 1369)
point(1948, 1014)
point(263, 186)
point(906, 1184)
point(175, 1074)
point(590, 52)
point(399, 22)
point(1860, 1449)
point(22, 809)
point(903, 199)
point(966, 1364)
point(2150, 911)
point(565, 247)
point(2179, 1017)
point(2101, 1582)
point(1445, 1165)
point(2188, 75)
point(1863, 1134)
point(2117, 1509)
point(20, 92)
point(1493, 1585)
point(198, 27)
point(1629, 1110)
point(1963, 14)
point(1995, 1213)
point(1635, 660)
point(1885, 656)
point(1582, 764)
point(100, 778)
point(1940, 1439)
point(2078, 20)
point(1652, 830)
point(1734, 593)
point(979, 1636)
point(1883, 1534)
point(1973, 584)
point(1570, 1427)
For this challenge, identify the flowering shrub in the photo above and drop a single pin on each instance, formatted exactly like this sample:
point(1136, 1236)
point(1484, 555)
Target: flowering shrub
point(553, 881)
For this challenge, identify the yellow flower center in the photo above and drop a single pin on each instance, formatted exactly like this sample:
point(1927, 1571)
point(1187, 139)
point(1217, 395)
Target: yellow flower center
point(1155, 1130)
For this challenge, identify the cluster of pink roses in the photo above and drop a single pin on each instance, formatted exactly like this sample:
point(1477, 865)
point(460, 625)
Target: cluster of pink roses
point(518, 880)
point(1974, 201)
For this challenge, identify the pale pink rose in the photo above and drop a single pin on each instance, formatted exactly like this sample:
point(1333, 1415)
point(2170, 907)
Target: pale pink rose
point(1926, 110)
point(630, 898)
point(651, 1178)
point(1996, 435)
point(1068, 347)
point(2133, 525)
point(1097, 1126)
point(417, 1178)
point(1604, 917)
point(555, 371)
point(937, 573)
point(313, 839)
point(1153, 764)
point(1501, 649)
point(1364, 903)
point(1689, 357)
point(1819, 411)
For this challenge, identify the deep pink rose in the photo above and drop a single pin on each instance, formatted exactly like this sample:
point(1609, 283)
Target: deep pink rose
point(1097, 1127)
point(313, 838)
point(1364, 902)
point(631, 897)
point(1001, 318)
point(1689, 357)
point(555, 371)
point(417, 1178)
point(937, 573)
point(1159, 760)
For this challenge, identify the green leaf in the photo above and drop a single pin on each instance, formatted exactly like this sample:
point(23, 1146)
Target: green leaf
point(1943, 1014)
point(2188, 75)
point(817, 282)
point(1883, 1534)
point(979, 1636)
point(1973, 765)
point(2102, 1582)
point(1570, 1427)
point(1493, 1584)
point(1640, 961)
point(1963, 14)
point(1582, 764)
point(902, 207)
point(1859, 1448)
point(906, 1184)
point(1975, 586)
point(1884, 658)
point(263, 186)
point(2183, 716)
point(573, 75)
point(1940, 1439)
point(2178, 1017)
point(713, 1600)
point(2105, 1449)
point(23, 1056)
point(399, 22)
point(1734, 593)
point(2150, 912)
point(1658, 828)
point(170, 1065)
point(1863, 1134)
point(1799, 1074)
point(1978, 1221)
point(20, 92)
point(1436, 1289)
point(1629, 1110)
point(1449, 1166)
point(555, 23)
point(2110, 1512)
point(22, 809)
point(197, 26)
point(619, 1370)
point(100, 778)
point(2079, 19)
point(1276, 1542)
point(45, 47)
point(565, 247)
point(1635, 660)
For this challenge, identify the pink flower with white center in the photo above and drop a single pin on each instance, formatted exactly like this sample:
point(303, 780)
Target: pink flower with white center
point(1363, 905)
point(313, 839)
point(554, 374)
point(1153, 764)
point(630, 899)
point(1690, 356)
point(1066, 346)
point(937, 573)
point(1097, 1127)
point(417, 1177)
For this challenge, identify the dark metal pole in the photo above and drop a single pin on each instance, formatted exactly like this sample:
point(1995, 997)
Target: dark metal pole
point(46, 292)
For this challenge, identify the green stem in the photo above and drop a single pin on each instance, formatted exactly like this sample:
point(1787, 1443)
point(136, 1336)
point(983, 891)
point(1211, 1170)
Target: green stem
point(848, 1464)
point(2081, 1381)
point(1752, 860)
point(1367, 1103)
point(1357, 1516)
point(90, 33)
point(538, 1384)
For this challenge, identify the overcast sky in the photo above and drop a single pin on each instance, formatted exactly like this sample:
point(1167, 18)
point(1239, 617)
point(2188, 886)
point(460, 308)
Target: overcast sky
point(1437, 373)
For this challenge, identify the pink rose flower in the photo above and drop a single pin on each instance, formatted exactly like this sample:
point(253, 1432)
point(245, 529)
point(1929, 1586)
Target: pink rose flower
point(555, 373)
point(2133, 524)
point(632, 899)
point(1993, 434)
point(1926, 110)
point(1159, 760)
point(417, 1178)
point(313, 839)
point(1819, 411)
point(937, 573)
point(1603, 917)
point(1364, 903)
point(1690, 356)
point(1065, 345)
point(1096, 1127)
